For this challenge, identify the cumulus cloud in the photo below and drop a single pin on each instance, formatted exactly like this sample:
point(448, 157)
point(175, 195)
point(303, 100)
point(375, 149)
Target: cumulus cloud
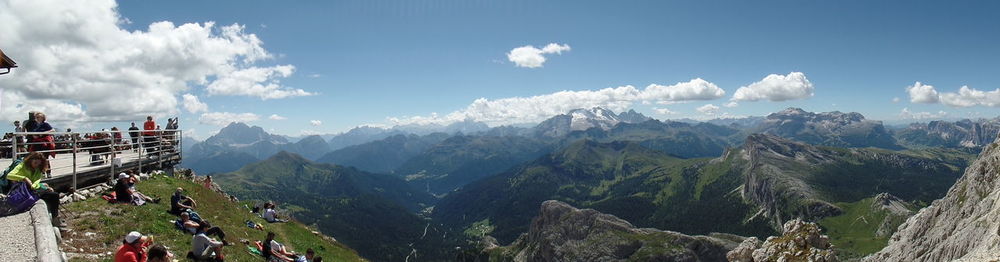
point(193, 105)
point(906, 114)
point(315, 122)
point(260, 82)
point(276, 117)
point(78, 64)
point(776, 88)
point(967, 97)
point(517, 110)
point(664, 111)
point(532, 57)
point(224, 118)
point(731, 104)
point(708, 109)
point(920, 93)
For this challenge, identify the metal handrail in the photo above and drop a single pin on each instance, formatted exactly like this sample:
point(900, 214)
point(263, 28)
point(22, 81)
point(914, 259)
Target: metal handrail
point(104, 145)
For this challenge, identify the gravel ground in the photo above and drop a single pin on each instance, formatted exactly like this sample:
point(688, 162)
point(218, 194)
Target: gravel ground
point(18, 239)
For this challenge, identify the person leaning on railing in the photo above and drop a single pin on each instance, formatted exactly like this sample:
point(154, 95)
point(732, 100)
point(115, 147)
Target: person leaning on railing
point(30, 171)
point(44, 142)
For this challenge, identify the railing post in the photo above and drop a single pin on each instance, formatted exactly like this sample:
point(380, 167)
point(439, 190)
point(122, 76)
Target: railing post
point(111, 136)
point(142, 146)
point(13, 148)
point(75, 149)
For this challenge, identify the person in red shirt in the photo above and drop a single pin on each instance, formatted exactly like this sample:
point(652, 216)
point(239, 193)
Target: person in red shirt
point(149, 134)
point(133, 248)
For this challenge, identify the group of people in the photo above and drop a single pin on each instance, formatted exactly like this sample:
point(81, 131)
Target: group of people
point(29, 173)
point(138, 248)
point(36, 122)
point(125, 191)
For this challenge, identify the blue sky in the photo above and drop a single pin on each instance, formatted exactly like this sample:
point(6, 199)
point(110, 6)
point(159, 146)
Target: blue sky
point(366, 61)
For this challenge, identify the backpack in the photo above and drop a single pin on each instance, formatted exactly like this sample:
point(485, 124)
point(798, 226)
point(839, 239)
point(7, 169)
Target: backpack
point(4, 183)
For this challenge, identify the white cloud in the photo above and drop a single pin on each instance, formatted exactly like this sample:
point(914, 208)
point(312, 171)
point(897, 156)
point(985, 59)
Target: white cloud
point(708, 109)
point(920, 93)
point(967, 97)
point(224, 118)
point(906, 114)
point(518, 110)
point(664, 111)
point(532, 57)
point(696, 89)
point(731, 104)
point(776, 88)
point(315, 122)
point(276, 117)
point(260, 82)
point(193, 105)
point(78, 64)
point(895, 99)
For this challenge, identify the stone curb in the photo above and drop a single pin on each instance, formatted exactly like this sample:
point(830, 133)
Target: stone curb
point(45, 237)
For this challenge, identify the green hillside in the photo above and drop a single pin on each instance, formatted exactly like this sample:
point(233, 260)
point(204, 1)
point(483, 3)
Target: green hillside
point(375, 214)
point(97, 227)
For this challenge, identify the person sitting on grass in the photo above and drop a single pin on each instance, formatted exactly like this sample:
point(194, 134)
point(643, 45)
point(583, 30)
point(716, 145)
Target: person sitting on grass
point(133, 178)
point(204, 248)
point(192, 226)
point(159, 253)
point(270, 215)
point(30, 171)
point(274, 251)
point(133, 248)
point(122, 192)
point(311, 256)
point(181, 203)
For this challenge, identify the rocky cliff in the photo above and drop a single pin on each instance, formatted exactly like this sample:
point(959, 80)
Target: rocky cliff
point(563, 233)
point(801, 241)
point(961, 226)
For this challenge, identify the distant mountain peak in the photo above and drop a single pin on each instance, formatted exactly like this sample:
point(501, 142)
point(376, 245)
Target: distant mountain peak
point(237, 133)
point(584, 118)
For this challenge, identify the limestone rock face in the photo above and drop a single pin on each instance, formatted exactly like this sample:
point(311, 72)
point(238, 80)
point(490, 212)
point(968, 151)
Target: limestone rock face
point(564, 233)
point(801, 241)
point(961, 226)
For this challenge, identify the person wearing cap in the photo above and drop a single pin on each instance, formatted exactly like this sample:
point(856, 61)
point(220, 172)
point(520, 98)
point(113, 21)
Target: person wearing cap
point(123, 194)
point(133, 248)
point(180, 203)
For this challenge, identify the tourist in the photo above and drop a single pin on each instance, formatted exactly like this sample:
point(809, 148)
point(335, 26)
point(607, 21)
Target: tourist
point(270, 215)
point(133, 248)
point(274, 251)
point(208, 182)
point(123, 193)
point(149, 134)
point(159, 253)
point(30, 171)
point(205, 248)
point(19, 138)
point(44, 142)
point(133, 132)
point(181, 203)
point(192, 226)
point(29, 125)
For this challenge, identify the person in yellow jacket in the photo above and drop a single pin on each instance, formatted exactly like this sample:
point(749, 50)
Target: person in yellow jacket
point(31, 171)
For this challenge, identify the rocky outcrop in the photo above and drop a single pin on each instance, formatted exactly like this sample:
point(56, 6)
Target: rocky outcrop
point(563, 233)
point(961, 226)
point(801, 241)
point(896, 210)
point(959, 134)
point(828, 128)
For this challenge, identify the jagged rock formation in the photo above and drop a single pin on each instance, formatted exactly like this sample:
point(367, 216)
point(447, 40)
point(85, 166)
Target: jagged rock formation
point(963, 225)
point(828, 128)
point(896, 210)
point(563, 233)
point(960, 134)
point(801, 241)
point(789, 179)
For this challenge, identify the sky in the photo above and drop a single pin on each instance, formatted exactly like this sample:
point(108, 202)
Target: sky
point(315, 67)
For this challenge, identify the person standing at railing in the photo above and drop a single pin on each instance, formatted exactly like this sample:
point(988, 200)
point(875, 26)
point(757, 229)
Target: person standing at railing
point(149, 134)
point(133, 132)
point(19, 139)
point(29, 126)
point(45, 142)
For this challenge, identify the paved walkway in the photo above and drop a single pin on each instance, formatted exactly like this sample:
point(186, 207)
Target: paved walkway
point(18, 241)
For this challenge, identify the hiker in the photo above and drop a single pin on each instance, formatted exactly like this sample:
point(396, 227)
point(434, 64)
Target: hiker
point(204, 248)
point(20, 139)
point(270, 215)
point(311, 256)
point(180, 203)
point(30, 171)
point(44, 142)
point(274, 251)
point(159, 253)
point(29, 125)
point(123, 194)
point(192, 226)
point(133, 132)
point(208, 182)
point(133, 248)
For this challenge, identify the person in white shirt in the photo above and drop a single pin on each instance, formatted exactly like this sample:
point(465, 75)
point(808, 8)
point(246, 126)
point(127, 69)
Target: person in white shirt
point(270, 215)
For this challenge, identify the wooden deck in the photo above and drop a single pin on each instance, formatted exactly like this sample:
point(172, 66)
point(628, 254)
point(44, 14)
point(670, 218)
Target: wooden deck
point(88, 173)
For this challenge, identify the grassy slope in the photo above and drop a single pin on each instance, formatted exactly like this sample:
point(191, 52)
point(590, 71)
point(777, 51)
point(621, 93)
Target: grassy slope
point(853, 233)
point(111, 222)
